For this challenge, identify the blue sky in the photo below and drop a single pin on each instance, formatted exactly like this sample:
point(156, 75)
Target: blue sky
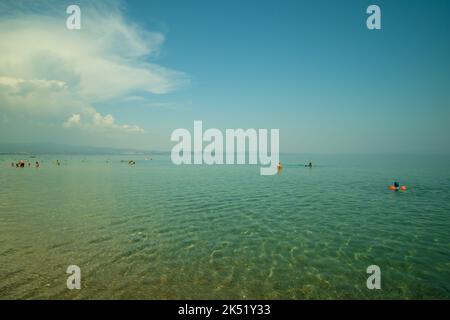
point(310, 68)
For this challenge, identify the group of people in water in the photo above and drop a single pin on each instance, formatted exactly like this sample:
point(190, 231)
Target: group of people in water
point(22, 164)
point(395, 187)
point(280, 166)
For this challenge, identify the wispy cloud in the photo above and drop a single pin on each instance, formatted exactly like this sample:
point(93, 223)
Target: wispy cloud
point(149, 103)
point(46, 69)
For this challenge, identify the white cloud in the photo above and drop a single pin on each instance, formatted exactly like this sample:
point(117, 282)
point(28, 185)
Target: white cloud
point(46, 69)
point(99, 63)
point(10, 82)
point(18, 83)
point(73, 121)
point(96, 122)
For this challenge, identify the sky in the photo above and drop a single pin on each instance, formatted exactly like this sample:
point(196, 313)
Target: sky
point(137, 70)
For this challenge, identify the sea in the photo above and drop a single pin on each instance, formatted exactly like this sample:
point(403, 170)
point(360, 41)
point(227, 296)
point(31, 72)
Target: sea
point(155, 230)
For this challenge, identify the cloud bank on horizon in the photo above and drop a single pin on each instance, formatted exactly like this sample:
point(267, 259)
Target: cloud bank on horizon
point(52, 75)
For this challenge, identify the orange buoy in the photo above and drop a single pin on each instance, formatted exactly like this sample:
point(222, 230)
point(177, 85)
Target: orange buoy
point(392, 188)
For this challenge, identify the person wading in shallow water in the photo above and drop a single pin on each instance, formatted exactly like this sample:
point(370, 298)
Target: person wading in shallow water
point(279, 167)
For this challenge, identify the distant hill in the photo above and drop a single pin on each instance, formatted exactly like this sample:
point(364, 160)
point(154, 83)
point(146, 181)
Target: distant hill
point(46, 148)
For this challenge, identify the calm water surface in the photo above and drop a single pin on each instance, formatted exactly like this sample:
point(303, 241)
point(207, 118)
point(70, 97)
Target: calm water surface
point(160, 231)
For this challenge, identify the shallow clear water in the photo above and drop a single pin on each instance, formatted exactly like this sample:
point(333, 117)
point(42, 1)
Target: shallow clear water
point(159, 231)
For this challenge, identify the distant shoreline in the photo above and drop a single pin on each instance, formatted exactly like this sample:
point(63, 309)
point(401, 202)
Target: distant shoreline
point(84, 153)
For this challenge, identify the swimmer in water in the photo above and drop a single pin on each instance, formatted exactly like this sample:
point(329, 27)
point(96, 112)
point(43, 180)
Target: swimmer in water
point(396, 185)
point(37, 164)
point(279, 167)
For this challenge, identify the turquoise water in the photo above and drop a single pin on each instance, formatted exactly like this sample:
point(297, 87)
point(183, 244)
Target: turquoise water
point(160, 231)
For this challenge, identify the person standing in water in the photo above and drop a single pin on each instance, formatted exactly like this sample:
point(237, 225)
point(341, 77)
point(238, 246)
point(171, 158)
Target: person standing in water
point(279, 167)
